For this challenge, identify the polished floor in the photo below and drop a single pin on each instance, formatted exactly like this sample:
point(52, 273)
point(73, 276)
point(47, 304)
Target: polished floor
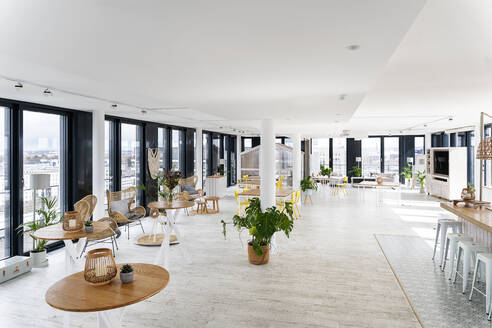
point(330, 273)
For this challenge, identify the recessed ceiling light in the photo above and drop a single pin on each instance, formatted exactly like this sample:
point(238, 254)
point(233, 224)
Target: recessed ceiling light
point(143, 111)
point(342, 96)
point(352, 47)
point(18, 86)
point(425, 125)
point(47, 93)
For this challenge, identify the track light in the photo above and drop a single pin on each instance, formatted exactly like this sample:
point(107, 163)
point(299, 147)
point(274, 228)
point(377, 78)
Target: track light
point(143, 111)
point(114, 106)
point(47, 93)
point(18, 86)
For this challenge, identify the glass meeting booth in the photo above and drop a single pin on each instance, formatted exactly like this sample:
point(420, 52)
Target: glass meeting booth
point(250, 162)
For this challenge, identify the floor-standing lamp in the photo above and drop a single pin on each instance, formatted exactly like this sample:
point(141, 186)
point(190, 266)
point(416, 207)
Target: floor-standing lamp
point(39, 181)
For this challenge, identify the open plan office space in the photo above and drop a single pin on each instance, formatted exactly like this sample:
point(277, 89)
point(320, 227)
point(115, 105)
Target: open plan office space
point(231, 163)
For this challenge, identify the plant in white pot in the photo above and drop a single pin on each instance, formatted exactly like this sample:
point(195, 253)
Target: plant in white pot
point(421, 180)
point(47, 216)
point(262, 225)
point(407, 174)
point(308, 185)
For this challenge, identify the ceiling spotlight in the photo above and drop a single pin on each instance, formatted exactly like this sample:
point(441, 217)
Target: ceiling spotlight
point(450, 118)
point(143, 111)
point(18, 86)
point(352, 47)
point(114, 106)
point(47, 93)
point(425, 125)
point(342, 96)
point(401, 131)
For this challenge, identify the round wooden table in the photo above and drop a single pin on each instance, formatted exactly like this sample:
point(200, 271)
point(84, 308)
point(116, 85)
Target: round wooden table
point(172, 210)
point(72, 251)
point(74, 294)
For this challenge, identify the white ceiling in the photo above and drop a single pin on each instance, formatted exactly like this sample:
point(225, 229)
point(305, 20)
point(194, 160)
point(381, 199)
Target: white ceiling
point(227, 63)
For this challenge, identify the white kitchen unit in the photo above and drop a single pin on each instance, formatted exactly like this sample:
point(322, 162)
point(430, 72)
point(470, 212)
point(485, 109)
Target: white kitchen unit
point(446, 172)
point(215, 186)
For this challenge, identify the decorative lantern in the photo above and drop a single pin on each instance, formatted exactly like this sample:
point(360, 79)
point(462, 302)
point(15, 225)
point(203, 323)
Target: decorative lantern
point(100, 267)
point(72, 221)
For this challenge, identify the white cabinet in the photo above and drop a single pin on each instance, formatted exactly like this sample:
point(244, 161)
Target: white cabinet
point(448, 186)
point(215, 186)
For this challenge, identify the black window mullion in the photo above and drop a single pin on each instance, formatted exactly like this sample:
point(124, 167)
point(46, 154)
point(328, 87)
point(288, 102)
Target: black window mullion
point(117, 155)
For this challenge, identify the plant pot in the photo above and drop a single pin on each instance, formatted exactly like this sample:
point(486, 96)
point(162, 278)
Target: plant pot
point(126, 277)
point(262, 259)
point(407, 183)
point(309, 192)
point(422, 190)
point(379, 180)
point(89, 229)
point(468, 194)
point(38, 259)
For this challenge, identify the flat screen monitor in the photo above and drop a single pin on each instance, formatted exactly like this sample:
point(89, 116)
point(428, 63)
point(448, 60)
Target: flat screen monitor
point(441, 162)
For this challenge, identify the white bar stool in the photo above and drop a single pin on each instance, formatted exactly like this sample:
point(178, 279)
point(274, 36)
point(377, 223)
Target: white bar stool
point(452, 240)
point(483, 258)
point(443, 225)
point(469, 250)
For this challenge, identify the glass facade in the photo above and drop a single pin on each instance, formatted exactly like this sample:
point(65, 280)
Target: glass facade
point(321, 146)
point(392, 155)
point(371, 156)
point(130, 155)
point(339, 156)
point(5, 228)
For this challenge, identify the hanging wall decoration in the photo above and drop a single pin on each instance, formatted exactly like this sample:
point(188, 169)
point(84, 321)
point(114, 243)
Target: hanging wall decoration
point(153, 159)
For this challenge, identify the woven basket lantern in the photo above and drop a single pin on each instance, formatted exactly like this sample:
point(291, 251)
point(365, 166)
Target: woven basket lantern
point(484, 150)
point(72, 221)
point(100, 267)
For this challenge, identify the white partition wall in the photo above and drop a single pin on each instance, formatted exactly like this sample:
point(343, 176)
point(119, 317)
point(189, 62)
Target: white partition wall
point(98, 186)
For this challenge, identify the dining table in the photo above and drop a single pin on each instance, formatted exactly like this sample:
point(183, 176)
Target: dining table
point(74, 294)
point(172, 210)
point(378, 187)
point(73, 251)
point(279, 193)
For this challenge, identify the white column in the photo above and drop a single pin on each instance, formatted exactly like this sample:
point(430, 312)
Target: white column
point(238, 154)
point(477, 168)
point(98, 169)
point(267, 164)
point(199, 156)
point(428, 140)
point(296, 161)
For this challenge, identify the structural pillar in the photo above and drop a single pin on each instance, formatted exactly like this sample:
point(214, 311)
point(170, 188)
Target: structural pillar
point(238, 156)
point(296, 161)
point(199, 156)
point(267, 164)
point(98, 166)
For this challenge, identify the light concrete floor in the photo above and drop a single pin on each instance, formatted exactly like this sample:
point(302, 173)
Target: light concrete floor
point(330, 273)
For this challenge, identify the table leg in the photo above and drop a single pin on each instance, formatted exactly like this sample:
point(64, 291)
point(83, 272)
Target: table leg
point(110, 318)
point(73, 254)
point(162, 257)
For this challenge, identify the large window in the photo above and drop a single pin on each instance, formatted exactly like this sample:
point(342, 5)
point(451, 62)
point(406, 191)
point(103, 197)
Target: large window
point(392, 155)
point(43, 162)
point(5, 228)
point(419, 145)
point(163, 144)
point(177, 154)
point(371, 156)
point(108, 156)
point(321, 146)
point(339, 156)
point(130, 155)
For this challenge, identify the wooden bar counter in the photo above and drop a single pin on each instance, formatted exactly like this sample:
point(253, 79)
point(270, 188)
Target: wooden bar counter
point(477, 223)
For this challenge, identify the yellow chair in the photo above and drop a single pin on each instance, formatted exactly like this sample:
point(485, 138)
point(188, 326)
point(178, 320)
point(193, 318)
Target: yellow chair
point(240, 203)
point(282, 179)
point(341, 187)
point(296, 198)
point(245, 177)
point(278, 184)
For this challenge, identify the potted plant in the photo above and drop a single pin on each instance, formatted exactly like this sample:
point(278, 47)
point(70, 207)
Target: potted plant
point(47, 216)
point(407, 174)
point(325, 171)
point(89, 227)
point(355, 171)
point(126, 274)
point(468, 193)
point(220, 170)
point(421, 180)
point(308, 185)
point(261, 226)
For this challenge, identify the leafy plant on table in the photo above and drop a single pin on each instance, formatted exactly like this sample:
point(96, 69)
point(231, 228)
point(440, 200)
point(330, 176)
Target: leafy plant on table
point(48, 217)
point(307, 184)
point(163, 185)
point(325, 171)
point(355, 171)
point(88, 223)
point(407, 172)
point(263, 224)
point(126, 268)
point(471, 187)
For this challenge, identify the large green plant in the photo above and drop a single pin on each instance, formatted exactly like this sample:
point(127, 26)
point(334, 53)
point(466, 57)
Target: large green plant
point(325, 171)
point(355, 171)
point(407, 172)
point(307, 183)
point(48, 216)
point(262, 225)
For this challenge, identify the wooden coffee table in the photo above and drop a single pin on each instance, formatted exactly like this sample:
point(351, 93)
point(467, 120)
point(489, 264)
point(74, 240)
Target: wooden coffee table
point(172, 210)
point(72, 252)
point(74, 294)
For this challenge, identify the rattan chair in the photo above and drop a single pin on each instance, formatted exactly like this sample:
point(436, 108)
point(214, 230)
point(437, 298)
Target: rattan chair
point(184, 194)
point(137, 212)
point(108, 235)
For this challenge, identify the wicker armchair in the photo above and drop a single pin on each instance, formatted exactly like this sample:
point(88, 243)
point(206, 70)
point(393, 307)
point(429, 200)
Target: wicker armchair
point(86, 206)
point(137, 213)
point(184, 195)
point(108, 235)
